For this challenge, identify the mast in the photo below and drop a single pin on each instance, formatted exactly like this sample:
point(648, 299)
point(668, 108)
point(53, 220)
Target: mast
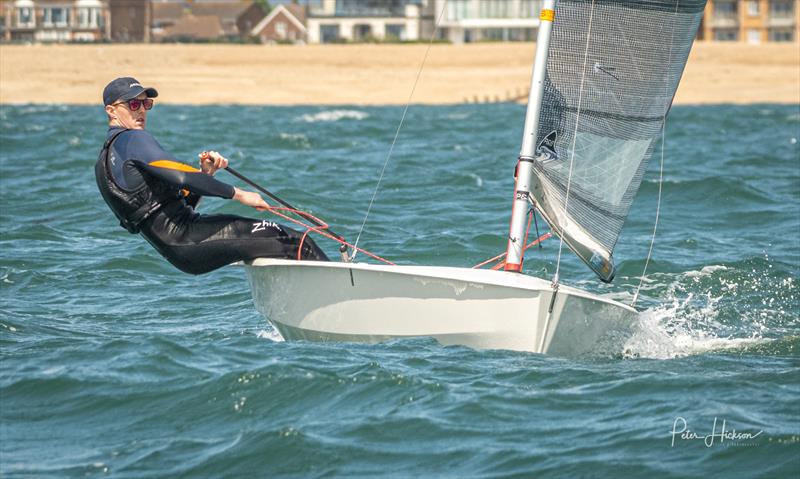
point(519, 211)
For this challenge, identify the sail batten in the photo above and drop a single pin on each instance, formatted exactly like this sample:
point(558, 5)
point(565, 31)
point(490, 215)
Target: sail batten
point(612, 71)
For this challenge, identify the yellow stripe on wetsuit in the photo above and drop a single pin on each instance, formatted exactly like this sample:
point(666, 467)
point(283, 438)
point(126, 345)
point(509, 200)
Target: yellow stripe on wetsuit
point(174, 165)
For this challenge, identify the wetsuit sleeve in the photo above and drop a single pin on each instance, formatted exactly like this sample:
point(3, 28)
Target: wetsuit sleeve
point(185, 176)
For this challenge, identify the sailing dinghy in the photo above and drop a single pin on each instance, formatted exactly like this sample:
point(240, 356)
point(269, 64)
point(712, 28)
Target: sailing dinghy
point(603, 81)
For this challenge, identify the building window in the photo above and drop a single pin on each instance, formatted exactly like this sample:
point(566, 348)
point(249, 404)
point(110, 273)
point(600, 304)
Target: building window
point(752, 8)
point(372, 8)
point(781, 35)
point(458, 9)
point(726, 35)
point(25, 17)
point(395, 31)
point(753, 36)
point(521, 34)
point(529, 8)
point(55, 16)
point(328, 33)
point(280, 30)
point(493, 34)
point(725, 9)
point(362, 31)
point(88, 17)
point(493, 9)
point(781, 9)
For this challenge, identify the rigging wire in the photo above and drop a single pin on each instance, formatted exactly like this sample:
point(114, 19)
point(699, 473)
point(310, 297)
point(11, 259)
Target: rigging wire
point(661, 167)
point(574, 141)
point(397, 132)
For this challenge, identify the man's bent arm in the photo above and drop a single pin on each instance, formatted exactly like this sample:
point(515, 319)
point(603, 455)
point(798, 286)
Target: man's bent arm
point(185, 176)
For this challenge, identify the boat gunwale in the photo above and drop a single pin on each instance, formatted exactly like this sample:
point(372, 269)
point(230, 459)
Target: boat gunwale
point(495, 278)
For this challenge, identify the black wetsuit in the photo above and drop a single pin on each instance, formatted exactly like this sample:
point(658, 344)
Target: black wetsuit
point(152, 193)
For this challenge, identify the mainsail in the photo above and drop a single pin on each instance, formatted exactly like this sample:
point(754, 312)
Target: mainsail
point(612, 71)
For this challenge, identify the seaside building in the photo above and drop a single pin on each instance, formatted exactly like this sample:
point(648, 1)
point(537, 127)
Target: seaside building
point(129, 21)
point(198, 19)
point(54, 20)
point(465, 21)
point(751, 21)
point(364, 20)
point(285, 23)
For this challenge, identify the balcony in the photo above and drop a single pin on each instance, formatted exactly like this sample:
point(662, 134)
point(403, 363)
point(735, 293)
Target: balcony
point(724, 20)
point(781, 18)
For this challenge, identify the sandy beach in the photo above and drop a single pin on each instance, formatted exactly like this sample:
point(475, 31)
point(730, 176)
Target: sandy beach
point(358, 74)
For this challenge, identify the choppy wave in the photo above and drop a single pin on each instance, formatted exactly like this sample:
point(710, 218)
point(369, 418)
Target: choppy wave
point(333, 115)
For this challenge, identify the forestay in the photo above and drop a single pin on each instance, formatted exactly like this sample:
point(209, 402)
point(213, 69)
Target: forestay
point(612, 71)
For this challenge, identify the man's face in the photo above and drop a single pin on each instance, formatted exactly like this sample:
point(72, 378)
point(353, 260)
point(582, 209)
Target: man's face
point(135, 120)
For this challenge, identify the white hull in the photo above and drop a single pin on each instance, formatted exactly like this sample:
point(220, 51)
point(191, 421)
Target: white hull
point(321, 301)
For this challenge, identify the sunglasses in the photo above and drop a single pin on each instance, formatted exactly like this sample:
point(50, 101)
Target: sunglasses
point(134, 104)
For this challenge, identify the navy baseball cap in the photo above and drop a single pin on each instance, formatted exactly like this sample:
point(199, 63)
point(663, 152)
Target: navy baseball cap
point(125, 88)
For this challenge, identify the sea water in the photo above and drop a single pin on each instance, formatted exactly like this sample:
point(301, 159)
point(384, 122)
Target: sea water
point(113, 363)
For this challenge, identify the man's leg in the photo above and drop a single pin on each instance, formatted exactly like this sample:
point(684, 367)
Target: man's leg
point(213, 241)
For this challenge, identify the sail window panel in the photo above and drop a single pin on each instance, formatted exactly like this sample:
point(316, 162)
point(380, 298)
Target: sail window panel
point(604, 167)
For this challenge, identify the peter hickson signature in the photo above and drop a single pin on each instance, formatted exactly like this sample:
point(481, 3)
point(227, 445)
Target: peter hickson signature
point(681, 429)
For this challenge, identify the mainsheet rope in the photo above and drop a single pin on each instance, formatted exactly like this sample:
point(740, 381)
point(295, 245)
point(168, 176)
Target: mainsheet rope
point(397, 132)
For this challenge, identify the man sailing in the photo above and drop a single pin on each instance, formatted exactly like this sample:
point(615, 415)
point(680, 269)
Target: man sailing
point(154, 194)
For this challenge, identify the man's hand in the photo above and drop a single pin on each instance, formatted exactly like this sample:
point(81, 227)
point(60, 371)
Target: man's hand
point(211, 161)
point(251, 199)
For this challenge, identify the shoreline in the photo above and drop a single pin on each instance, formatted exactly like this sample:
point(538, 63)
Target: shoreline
point(358, 74)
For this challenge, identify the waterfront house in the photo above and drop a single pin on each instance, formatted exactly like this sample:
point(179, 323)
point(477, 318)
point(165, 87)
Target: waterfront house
point(285, 23)
point(54, 20)
point(751, 21)
point(465, 21)
point(364, 20)
point(198, 19)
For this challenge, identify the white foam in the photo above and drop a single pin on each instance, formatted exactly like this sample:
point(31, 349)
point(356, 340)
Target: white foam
point(706, 271)
point(666, 332)
point(271, 334)
point(688, 321)
point(478, 179)
point(334, 115)
point(298, 139)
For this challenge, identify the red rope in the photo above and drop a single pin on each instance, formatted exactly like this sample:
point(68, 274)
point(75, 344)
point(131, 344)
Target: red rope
point(319, 230)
